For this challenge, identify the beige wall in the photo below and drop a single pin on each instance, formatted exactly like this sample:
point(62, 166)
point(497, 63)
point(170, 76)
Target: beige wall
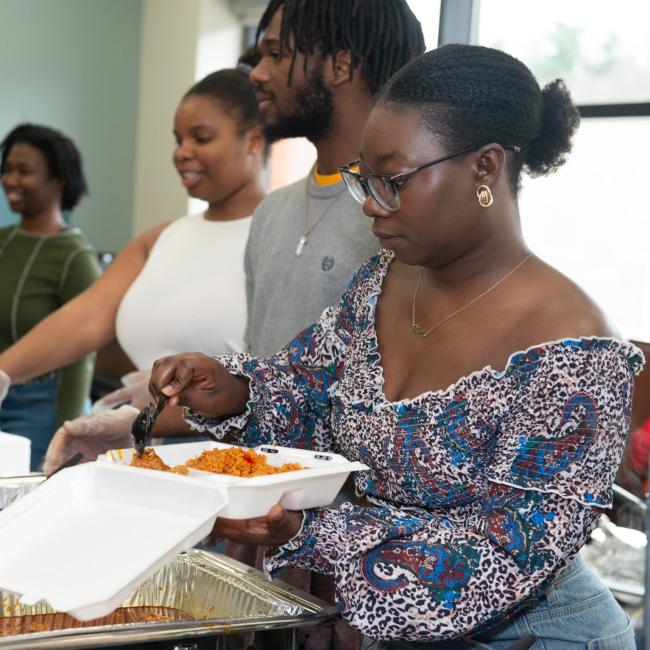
point(182, 40)
point(219, 39)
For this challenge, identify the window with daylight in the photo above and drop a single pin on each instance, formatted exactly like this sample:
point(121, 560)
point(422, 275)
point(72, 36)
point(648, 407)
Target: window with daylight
point(590, 218)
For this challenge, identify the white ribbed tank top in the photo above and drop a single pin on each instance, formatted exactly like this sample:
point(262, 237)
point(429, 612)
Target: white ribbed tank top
point(191, 294)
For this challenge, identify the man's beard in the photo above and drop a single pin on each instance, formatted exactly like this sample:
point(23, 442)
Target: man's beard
point(312, 118)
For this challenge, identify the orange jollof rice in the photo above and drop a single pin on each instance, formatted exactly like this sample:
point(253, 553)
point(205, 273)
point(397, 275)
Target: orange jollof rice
point(236, 461)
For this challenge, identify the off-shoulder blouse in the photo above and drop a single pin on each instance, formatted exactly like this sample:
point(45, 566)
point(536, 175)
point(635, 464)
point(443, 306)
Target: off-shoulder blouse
point(484, 491)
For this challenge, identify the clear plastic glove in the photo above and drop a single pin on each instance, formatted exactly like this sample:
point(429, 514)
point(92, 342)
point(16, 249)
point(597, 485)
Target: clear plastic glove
point(135, 392)
point(91, 436)
point(5, 382)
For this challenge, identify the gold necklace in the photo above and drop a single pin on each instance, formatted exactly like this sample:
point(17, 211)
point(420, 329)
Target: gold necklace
point(422, 334)
point(302, 242)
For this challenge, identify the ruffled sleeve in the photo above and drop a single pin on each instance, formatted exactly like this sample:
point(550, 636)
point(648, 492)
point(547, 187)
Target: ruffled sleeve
point(568, 418)
point(290, 393)
point(564, 412)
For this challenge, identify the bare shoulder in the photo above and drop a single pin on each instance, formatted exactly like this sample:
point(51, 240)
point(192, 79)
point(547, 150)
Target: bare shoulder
point(562, 309)
point(133, 256)
point(148, 238)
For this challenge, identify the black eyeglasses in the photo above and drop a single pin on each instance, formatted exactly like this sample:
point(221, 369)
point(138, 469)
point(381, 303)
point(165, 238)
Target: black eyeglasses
point(384, 188)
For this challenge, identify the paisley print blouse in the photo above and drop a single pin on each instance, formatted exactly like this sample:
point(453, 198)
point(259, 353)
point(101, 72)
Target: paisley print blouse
point(483, 492)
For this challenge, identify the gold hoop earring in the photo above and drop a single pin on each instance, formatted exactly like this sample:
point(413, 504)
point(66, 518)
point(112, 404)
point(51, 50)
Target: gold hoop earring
point(484, 196)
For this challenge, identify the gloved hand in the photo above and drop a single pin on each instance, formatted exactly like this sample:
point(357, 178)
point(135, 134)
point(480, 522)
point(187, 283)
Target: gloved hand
point(5, 382)
point(91, 435)
point(135, 392)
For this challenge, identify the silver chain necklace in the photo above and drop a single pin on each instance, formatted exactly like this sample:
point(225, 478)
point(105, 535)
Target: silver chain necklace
point(422, 334)
point(302, 242)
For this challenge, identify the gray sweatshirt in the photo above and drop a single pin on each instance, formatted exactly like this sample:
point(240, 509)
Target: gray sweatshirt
point(286, 292)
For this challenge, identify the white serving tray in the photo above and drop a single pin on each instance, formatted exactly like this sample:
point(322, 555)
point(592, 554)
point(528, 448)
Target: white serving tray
point(253, 497)
point(86, 538)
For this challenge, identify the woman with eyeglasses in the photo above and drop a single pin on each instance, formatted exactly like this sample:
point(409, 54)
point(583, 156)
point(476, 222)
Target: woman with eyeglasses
point(485, 391)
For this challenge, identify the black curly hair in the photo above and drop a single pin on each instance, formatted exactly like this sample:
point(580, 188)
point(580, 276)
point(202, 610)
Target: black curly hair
point(62, 156)
point(234, 92)
point(381, 35)
point(471, 95)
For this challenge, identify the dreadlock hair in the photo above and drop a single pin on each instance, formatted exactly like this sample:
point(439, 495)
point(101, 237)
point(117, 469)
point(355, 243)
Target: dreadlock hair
point(234, 92)
point(62, 157)
point(470, 95)
point(381, 35)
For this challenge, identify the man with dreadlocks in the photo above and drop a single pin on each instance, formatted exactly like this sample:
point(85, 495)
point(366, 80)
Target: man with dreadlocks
point(322, 63)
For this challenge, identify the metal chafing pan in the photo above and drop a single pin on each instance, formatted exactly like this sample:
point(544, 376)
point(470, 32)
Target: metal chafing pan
point(14, 487)
point(222, 596)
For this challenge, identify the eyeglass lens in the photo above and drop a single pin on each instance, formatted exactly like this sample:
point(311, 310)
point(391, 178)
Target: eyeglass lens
point(380, 188)
point(383, 191)
point(354, 186)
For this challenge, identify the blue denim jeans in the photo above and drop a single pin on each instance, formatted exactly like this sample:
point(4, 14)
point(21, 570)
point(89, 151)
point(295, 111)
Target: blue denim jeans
point(30, 410)
point(576, 612)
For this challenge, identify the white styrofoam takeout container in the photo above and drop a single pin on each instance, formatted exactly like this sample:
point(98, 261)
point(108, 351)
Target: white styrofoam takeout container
point(253, 497)
point(86, 538)
point(15, 454)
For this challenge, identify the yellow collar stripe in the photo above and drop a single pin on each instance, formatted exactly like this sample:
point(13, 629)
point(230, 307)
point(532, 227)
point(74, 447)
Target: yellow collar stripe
point(326, 179)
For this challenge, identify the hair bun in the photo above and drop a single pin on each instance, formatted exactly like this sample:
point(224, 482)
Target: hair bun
point(558, 122)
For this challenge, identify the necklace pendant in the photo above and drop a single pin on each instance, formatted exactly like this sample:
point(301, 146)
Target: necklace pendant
point(301, 245)
point(419, 332)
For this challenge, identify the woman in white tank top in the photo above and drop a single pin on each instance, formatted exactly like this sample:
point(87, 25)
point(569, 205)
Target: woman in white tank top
point(194, 264)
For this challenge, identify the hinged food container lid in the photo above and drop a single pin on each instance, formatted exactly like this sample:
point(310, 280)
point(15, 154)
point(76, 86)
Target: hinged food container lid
point(86, 538)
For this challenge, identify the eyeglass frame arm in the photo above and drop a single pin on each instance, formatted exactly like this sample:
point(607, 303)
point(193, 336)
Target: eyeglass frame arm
point(406, 175)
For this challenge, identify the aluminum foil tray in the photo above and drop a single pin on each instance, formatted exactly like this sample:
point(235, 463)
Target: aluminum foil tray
point(14, 487)
point(222, 595)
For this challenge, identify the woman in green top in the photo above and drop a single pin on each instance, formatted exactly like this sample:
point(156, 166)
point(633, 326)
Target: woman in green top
point(43, 264)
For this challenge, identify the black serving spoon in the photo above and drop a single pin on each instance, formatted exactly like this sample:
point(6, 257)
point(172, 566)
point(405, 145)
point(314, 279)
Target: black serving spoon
point(71, 462)
point(143, 423)
point(140, 430)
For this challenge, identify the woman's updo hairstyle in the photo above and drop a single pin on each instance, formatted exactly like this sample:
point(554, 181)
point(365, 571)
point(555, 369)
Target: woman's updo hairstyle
point(232, 90)
point(471, 95)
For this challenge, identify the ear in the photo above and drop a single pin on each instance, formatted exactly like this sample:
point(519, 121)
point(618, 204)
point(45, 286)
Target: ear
point(255, 141)
point(489, 163)
point(337, 70)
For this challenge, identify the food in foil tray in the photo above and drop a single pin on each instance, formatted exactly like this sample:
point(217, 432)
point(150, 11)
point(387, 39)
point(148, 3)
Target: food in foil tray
point(30, 624)
point(234, 461)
